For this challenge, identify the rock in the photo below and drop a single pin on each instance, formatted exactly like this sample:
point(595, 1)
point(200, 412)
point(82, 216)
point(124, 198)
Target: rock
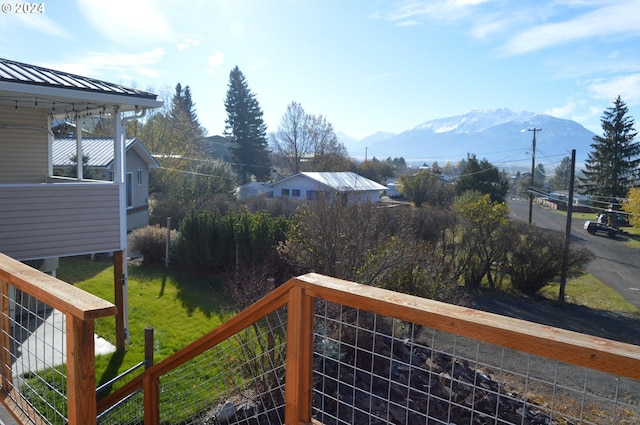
point(227, 413)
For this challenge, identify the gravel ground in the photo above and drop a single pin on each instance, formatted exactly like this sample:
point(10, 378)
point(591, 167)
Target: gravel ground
point(615, 326)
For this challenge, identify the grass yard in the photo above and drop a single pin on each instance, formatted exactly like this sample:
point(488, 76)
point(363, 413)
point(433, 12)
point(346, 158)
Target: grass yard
point(180, 308)
point(588, 291)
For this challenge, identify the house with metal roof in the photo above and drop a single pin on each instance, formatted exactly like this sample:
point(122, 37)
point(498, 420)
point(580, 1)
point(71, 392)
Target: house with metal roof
point(44, 216)
point(100, 163)
point(329, 185)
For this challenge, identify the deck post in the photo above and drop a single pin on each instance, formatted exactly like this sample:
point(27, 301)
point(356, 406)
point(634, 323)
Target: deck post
point(298, 380)
point(81, 366)
point(119, 299)
point(5, 340)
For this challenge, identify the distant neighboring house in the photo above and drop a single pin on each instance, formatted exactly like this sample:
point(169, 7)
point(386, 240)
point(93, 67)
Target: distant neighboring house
point(100, 154)
point(253, 189)
point(329, 185)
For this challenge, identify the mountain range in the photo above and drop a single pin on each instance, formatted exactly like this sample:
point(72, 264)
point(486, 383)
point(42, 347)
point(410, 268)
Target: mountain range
point(502, 136)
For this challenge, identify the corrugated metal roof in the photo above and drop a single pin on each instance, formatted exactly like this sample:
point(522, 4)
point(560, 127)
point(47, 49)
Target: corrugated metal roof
point(37, 75)
point(342, 181)
point(98, 150)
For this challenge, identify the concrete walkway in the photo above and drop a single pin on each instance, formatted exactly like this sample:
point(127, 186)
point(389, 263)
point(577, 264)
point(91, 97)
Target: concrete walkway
point(44, 347)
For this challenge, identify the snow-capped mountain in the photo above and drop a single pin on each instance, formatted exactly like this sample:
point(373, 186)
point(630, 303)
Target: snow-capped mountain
point(502, 136)
point(474, 121)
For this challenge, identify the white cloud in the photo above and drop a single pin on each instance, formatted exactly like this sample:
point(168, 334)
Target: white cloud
point(408, 12)
point(127, 21)
point(214, 61)
point(187, 42)
point(122, 65)
point(562, 111)
point(619, 19)
point(626, 86)
point(40, 23)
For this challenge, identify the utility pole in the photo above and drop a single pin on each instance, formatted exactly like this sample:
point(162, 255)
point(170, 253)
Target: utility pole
point(533, 170)
point(567, 234)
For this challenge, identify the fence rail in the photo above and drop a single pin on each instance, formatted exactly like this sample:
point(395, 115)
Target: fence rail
point(322, 350)
point(47, 349)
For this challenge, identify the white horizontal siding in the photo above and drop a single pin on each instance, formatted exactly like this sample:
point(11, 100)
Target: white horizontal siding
point(47, 220)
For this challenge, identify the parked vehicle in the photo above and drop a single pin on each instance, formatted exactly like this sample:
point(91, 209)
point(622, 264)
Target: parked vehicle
point(594, 226)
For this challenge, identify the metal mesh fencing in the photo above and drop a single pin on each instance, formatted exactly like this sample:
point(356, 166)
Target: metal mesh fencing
point(371, 369)
point(238, 381)
point(35, 348)
point(129, 411)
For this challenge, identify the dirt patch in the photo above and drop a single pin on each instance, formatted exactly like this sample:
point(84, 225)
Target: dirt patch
point(573, 317)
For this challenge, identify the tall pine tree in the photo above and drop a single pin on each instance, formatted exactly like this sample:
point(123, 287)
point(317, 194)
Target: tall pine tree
point(246, 129)
point(187, 131)
point(611, 167)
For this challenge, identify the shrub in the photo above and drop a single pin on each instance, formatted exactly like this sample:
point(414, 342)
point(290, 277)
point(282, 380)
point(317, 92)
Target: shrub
point(212, 242)
point(534, 257)
point(151, 243)
point(411, 267)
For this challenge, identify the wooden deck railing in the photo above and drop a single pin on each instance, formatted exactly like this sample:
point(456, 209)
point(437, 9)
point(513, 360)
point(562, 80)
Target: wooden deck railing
point(298, 296)
point(79, 310)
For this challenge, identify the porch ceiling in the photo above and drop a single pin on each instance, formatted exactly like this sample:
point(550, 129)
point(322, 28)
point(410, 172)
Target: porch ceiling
point(60, 93)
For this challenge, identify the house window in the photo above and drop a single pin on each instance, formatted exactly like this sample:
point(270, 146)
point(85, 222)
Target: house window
point(129, 190)
point(285, 192)
point(295, 193)
point(316, 194)
point(140, 177)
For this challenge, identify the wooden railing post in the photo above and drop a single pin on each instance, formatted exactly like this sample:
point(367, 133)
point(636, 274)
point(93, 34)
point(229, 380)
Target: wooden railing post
point(81, 380)
point(119, 299)
point(151, 392)
point(5, 340)
point(299, 372)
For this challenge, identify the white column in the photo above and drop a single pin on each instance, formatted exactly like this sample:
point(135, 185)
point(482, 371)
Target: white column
point(120, 178)
point(79, 146)
point(49, 149)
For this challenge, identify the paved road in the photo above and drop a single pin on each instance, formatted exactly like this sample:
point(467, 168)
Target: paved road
point(615, 264)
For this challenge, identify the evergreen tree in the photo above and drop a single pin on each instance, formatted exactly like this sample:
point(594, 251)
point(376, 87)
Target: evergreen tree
point(72, 169)
point(174, 134)
point(246, 129)
point(560, 180)
point(186, 129)
point(611, 167)
point(482, 177)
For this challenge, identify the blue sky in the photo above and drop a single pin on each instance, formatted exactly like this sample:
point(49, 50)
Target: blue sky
point(366, 66)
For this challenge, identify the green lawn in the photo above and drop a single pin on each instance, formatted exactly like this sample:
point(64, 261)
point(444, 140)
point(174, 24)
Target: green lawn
point(180, 308)
point(589, 291)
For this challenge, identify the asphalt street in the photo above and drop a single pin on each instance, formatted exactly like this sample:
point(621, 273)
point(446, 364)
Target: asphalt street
point(615, 263)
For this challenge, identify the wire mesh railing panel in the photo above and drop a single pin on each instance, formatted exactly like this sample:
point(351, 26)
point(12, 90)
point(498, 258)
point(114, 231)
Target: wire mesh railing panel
point(240, 381)
point(129, 411)
point(372, 369)
point(35, 348)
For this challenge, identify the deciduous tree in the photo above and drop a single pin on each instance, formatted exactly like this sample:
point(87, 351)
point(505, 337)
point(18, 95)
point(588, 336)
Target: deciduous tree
point(306, 142)
point(631, 205)
point(420, 188)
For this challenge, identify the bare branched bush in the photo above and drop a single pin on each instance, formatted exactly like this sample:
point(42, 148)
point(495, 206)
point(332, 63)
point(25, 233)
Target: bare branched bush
point(151, 243)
